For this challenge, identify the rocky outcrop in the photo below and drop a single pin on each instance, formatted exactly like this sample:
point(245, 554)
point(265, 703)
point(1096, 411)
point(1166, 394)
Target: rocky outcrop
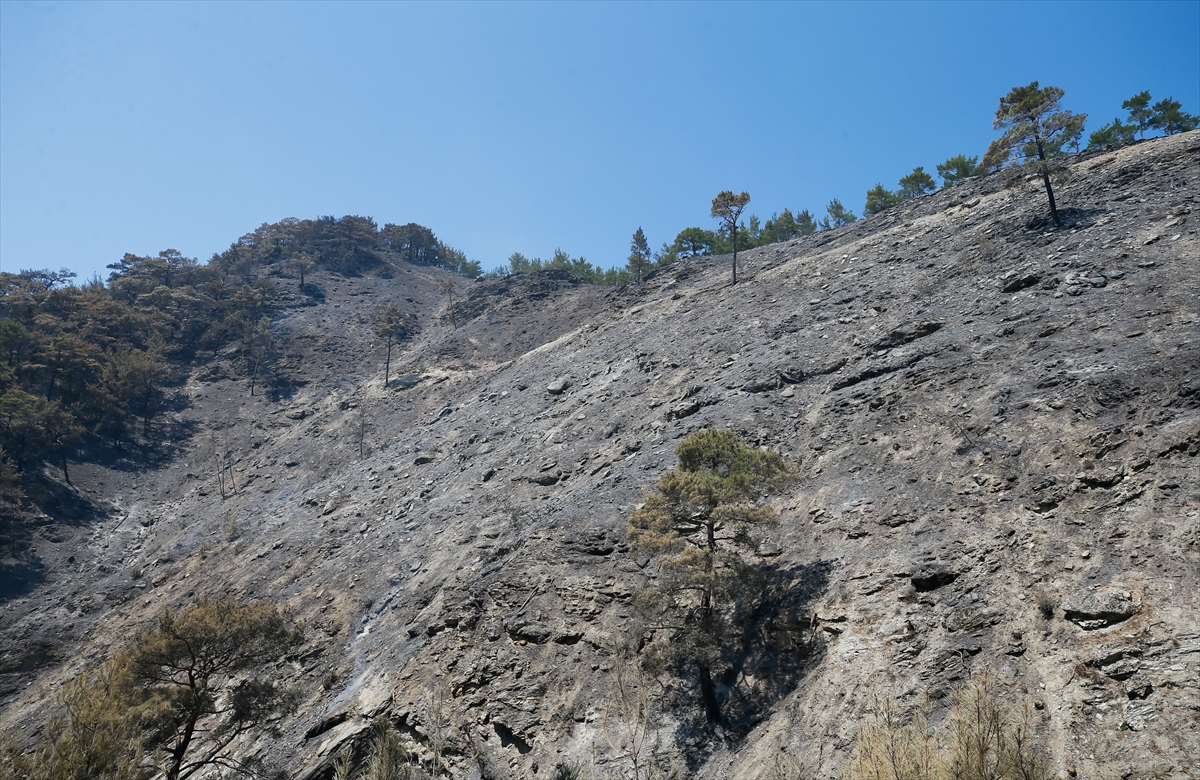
point(995, 425)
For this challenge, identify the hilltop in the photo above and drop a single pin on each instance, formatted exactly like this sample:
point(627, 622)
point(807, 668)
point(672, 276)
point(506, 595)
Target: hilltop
point(993, 421)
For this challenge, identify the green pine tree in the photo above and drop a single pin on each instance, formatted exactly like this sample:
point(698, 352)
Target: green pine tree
point(1168, 117)
point(916, 184)
point(838, 215)
point(1140, 112)
point(1035, 129)
point(878, 199)
point(957, 169)
point(698, 526)
point(639, 256)
point(1115, 134)
point(728, 208)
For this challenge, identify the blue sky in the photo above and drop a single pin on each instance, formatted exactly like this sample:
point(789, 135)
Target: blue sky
point(136, 127)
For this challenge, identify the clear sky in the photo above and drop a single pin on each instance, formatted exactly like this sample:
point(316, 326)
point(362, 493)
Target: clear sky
point(136, 127)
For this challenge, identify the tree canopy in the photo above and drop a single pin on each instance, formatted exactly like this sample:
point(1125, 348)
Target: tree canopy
point(878, 199)
point(728, 207)
point(698, 525)
point(1035, 129)
point(1166, 116)
point(577, 267)
point(174, 701)
point(640, 258)
point(1114, 134)
point(694, 241)
point(916, 184)
point(1169, 117)
point(957, 169)
point(837, 215)
point(1140, 112)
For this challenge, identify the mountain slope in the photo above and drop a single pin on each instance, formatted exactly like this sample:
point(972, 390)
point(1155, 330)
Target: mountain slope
point(986, 414)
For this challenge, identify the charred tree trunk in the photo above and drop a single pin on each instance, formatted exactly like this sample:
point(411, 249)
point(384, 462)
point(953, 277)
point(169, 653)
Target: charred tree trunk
point(387, 368)
point(1046, 180)
point(708, 692)
point(734, 232)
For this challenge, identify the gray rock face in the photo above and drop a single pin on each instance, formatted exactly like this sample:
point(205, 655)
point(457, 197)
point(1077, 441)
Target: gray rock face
point(1099, 609)
point(992, 421)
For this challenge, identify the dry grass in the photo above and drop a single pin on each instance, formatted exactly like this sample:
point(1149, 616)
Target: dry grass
point(1046, 603)
point(983, 738)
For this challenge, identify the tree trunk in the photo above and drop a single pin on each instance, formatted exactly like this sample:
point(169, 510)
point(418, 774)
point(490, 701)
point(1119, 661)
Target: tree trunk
point(708, 692)
point(712, 709)
point(734, 232)
point(1046, 181)
point(180, 750)
point(387, 367)
point(66, 475)
point(1050, 195)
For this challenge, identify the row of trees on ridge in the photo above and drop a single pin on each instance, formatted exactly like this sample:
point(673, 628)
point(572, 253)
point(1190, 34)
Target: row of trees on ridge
point(1036, 129)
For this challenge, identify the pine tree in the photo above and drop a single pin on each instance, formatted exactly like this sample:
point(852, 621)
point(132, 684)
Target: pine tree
point(957, 169)
point(838, 215)
point(1168, 117)
point(303, 263)
point(694, 241)
point(916, 184)
point(1115, 134)
point(1140, 112)
point(639, 256)
point(177, 701)
point(1036, 128)
point(786, 226)
point(728, 208)
point(696, 523)
point(447, 286)
point(392, 326)
point(806, 224)
point(259, 349)
point(878, 199)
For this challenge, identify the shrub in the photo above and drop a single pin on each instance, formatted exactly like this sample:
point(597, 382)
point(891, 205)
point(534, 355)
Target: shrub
point(1046, 603)
point(982, 738)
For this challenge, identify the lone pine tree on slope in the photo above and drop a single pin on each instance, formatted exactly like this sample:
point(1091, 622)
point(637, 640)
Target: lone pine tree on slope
point(1035, 128)
point(698, 525)
point(728, 208)
point(639, 256)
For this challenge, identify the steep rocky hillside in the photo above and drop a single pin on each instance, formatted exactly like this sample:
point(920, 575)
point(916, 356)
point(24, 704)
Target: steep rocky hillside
point(991, 418)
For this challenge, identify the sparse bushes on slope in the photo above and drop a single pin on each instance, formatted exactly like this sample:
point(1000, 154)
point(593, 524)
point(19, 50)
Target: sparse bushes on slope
point(982, 738)
point(386, 758)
